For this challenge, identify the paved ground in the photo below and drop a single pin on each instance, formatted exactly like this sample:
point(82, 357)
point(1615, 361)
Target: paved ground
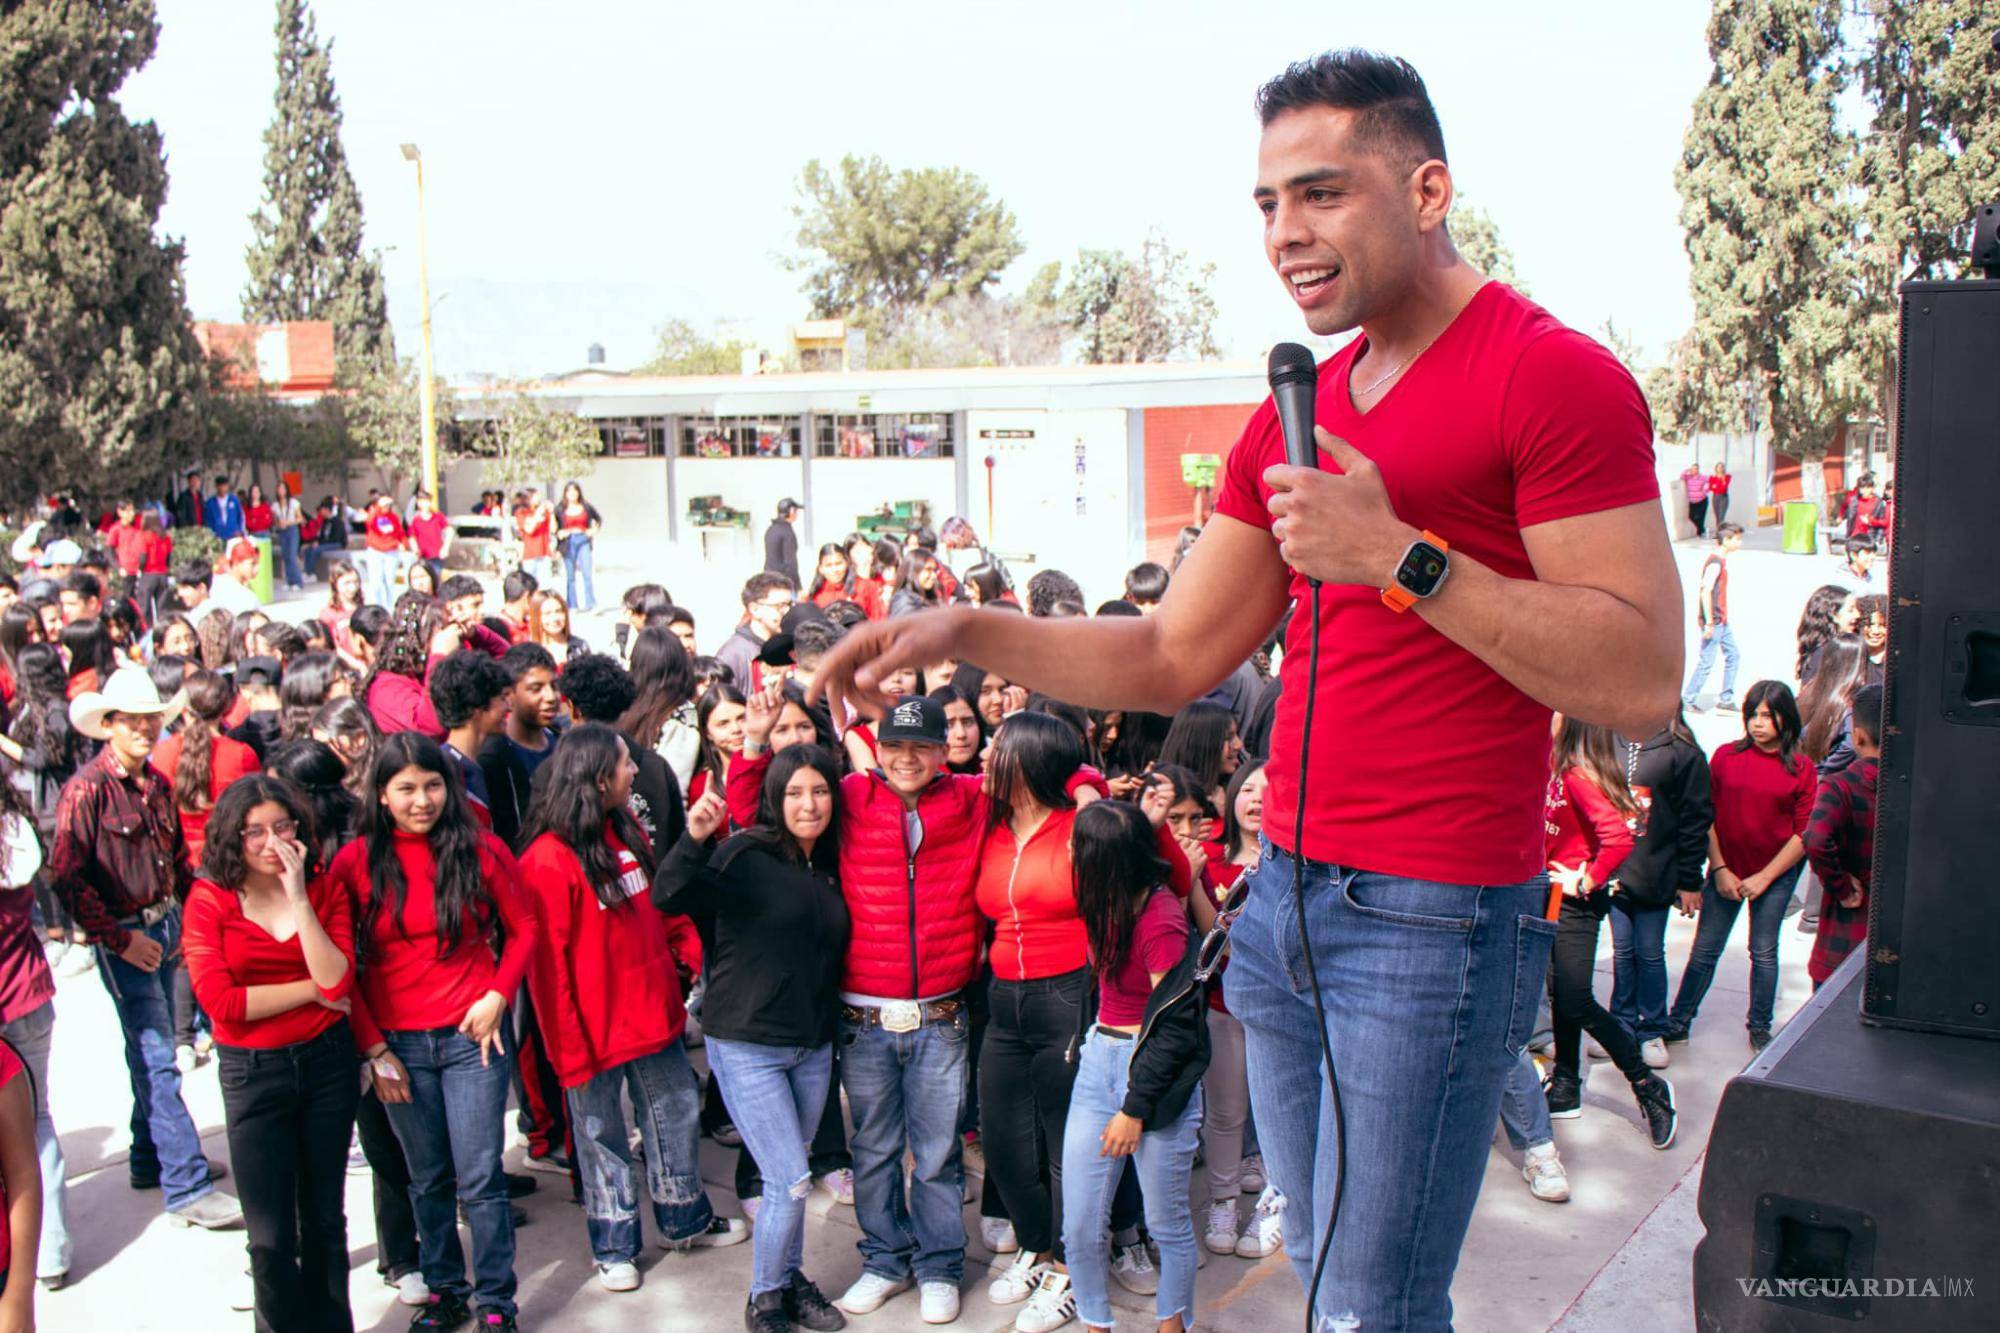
point(1526, 1265)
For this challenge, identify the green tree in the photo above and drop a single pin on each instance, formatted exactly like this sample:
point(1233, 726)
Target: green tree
point(306, 260)
point(1770, 226)
point(875, 240)
point(381, 415)
point(1152, 306)
point(252, 430)
point(527, 441)
point(684, 349)
point(1929, 158)
point(986, 329)
point(100, 375)
point(1477, 238)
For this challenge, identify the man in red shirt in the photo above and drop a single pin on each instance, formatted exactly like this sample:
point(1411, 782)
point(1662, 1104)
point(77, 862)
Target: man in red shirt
point(1466, 427)
point(430, 533)
point(127, 540)
point(387, 550)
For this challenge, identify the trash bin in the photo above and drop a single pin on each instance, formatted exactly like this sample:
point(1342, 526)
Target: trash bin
point(261, 583)
point(1801, 532)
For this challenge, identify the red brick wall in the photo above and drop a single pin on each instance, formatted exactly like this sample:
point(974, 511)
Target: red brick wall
point(1171, 432)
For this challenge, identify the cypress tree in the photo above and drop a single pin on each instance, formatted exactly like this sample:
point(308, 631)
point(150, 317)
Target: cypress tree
point(100, 375)
point(307, 261)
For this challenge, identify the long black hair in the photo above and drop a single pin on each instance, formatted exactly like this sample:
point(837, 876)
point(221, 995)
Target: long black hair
point(318, 773)
point(464, 905)
point(308, 681)
point(1136, 743)
point(709, 759)
point(568, 801)
point(1196, 741)
point(1777, 696)
point(770, 832)
point(222, 850)
point(819, 579)
point(1117, 865)
point(663, 681)
point(406, 651)
point(41, 710)
point(1232, 830)
point(1819, 622)
point(1034, 757)
point(89, 646)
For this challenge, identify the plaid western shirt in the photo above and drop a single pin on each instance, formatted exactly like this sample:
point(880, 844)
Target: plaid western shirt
point(1840, 843)
point(118, 847)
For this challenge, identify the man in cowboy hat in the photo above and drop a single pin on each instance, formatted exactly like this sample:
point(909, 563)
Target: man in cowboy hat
point(120, 864)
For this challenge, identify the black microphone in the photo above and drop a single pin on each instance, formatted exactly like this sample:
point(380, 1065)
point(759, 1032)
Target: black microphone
point(1294, 387)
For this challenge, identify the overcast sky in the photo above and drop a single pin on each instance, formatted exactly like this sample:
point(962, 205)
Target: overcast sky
point(592, 170)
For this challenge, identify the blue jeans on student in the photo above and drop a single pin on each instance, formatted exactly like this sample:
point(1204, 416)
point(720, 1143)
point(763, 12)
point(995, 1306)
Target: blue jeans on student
point(666, 1101)
point(904, 1090)
point(1430, 992)
point(165, 1143)
point(1524, 1107)
point(1639, 967)
point(451, 1130)
point(776, 1094)
point(378, 574)
point(288, 552)
point(1724, 640)
point(1163, 1160)
point(576, 554)
point(32, 1034)
point(1717, 919)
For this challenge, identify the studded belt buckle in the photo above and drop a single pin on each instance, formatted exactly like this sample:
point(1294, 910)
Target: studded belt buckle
point(902, 1016)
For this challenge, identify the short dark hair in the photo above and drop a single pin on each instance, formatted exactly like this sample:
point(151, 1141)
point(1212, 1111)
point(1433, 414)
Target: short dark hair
point(814, 640)
point(522, 658)
point(460, 585)
point(845, 614)
point(83, 583)
point(761, 585)
point(1867, 706)
point(518, 584)
point(1118, 606)
point(464, 683)
point(675, 615)
point(1865, 479)
point(1146, 582)
point(1728, 530)
point(597, 687)
point(194, 574)
point(642, 599)
point(370, 624)
point(1397, 119)
point(1049, 587)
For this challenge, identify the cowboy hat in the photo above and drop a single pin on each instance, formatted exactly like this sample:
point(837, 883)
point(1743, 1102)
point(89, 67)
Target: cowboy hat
point(130, 690)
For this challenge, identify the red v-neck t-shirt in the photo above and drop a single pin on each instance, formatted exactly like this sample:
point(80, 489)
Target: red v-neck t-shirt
point(1425, 763)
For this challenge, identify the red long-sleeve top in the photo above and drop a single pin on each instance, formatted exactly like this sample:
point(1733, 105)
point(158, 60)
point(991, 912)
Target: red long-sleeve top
point(606, 981)
point(227, 761)
point(227, 953)
point(1759, 806)
point(405, 985)
point(1583, 826)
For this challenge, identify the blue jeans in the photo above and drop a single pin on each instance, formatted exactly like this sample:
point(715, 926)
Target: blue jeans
point(666, 1101)
point(1724, 639)
point(1639, 968)
point(32, 1034)
point(1164, 1161)
point(777, 1094)
point(543, 569)
point(1718, 918)
point(904, 1090)
point(1524, 1108)
point(288, 552)
point(576, 553)
point(1430, 991)
point(451, 1130)
point(165, 1142)
point(378, 574)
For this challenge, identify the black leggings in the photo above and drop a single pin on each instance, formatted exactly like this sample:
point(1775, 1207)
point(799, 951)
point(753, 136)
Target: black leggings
point(1698, 515)
point(395, 1221)
point(1571, 997)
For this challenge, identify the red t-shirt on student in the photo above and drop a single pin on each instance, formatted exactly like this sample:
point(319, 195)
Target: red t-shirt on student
point(1426, 763)
point(535, 540)
point(1159, 938)
point(385, 531)
point(429, 531)
point(227, 953)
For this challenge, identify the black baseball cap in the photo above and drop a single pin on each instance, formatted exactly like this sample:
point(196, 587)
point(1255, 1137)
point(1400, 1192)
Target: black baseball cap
point(778, 649)
point(917, 718)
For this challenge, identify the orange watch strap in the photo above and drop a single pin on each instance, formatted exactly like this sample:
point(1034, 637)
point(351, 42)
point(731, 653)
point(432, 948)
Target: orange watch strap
point(1400, 599)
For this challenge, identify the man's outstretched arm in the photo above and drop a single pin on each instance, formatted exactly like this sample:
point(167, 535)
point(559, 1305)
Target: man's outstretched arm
point(1220, 606)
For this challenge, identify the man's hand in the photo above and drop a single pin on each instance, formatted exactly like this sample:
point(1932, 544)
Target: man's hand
point(143, 952)
point(853, 672)
point(1337, 527)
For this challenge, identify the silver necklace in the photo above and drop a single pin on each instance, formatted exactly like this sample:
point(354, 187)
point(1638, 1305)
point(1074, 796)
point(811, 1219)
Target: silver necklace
point(1393, 371)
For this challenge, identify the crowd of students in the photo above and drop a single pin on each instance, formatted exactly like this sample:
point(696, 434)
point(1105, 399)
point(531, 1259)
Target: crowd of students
point(462, 852)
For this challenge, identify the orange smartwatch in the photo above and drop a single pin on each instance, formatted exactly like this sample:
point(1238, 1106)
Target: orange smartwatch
point(1420, 573)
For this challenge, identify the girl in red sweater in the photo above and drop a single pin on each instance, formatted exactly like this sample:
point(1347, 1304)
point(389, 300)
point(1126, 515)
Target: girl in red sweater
point(609, 977)
point(443, 932)
point(1763, 788)
point(199, 760)
point(1590, 811)
point(270, 947)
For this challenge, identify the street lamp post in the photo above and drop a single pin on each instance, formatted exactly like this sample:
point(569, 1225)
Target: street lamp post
point(428, 386)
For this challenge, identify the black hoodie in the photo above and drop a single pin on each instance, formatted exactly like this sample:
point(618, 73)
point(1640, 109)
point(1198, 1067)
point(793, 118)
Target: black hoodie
point(1673, 847)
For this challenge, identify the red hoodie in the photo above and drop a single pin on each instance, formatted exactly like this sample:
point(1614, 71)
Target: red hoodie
point(404, 986)
point(605, 980)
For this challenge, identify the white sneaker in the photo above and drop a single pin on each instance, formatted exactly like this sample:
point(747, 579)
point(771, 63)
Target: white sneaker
point(839, 1184)
point(1595, 1050)
point(1221, 1233)
point(1543, 1171)
point(1132, 1268)
point(411, 1289)
point(1017, 1281)
point(1654, 1051)
point(184, 1059)
point(937, 1302)
point(998, 1233)
point(621, 1276)
point(719, 1232)
point(1252, 1180)
point(750, 1207)
point(869, 1292)
point(1052, 1305)
point(1266, 1232)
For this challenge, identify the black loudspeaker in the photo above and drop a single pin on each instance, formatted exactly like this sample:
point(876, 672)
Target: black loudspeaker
point(1934, 904)
point(1853, 1176)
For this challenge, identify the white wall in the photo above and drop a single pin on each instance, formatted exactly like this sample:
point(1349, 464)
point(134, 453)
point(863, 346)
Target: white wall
point(845, 488)
point(754, 484)
point(1037, 490)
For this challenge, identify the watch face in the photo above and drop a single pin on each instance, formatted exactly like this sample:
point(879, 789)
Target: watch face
point(1422, 569)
